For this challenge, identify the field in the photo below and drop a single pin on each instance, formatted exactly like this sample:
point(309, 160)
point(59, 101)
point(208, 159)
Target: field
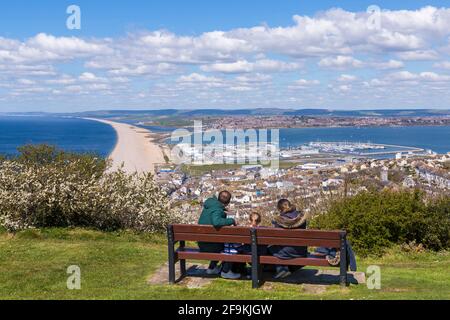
point(33, 265)
point(199, 170)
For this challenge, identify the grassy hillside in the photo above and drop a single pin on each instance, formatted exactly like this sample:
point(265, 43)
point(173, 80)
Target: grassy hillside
point(118, 265)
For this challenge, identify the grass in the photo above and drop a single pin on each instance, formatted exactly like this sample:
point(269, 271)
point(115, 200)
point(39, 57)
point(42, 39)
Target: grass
point(33, 265)
point(199, 170)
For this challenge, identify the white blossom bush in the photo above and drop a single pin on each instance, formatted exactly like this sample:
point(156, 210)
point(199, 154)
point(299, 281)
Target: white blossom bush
point(62, 195)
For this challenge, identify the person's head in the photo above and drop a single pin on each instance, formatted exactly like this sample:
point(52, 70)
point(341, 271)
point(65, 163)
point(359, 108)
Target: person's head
point(225, 198)
point(284, 206)
point(255, 219)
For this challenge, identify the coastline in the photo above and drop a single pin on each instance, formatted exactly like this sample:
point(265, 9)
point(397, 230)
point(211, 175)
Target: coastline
point(135, 148)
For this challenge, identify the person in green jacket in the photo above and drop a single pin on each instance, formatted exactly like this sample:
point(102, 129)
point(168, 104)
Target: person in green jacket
point(215, 214)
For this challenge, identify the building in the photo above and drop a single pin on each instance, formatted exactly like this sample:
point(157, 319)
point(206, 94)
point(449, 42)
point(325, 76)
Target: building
point(384, 174)
point(311, 166)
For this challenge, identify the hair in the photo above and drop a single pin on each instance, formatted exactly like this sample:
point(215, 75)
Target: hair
point(285, 205)
point(225, 197)
point(257, 215)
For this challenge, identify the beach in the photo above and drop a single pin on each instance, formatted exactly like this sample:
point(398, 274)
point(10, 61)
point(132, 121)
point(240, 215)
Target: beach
point(135, 149)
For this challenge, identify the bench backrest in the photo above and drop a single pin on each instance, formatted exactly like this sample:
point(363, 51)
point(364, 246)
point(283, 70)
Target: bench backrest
point(211, 234)
point(265, 236)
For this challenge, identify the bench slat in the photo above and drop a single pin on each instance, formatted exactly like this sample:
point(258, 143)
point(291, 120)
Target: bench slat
point(198, 229)
point(299, 242)
point(195, 255)
point(316, 262)
point(212, 238)
point(305, 234)
point(264, 232)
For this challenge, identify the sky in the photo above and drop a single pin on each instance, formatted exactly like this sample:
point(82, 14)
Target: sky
point(192, 54)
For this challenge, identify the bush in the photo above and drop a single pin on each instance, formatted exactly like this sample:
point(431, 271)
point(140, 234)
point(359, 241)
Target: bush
point(376, 220)
point(436, 233)
point(42, 155)
point(44, 187)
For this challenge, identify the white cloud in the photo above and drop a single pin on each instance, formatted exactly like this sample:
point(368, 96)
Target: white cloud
point(391, 64)
point(48, 48)
point(241, 88)
point(423, 76)
point(243, 66)
point(442, 65)
point(433, 77)
point(254, 78)
point(342, 89)
point(403, 76)
point(195, 77)
point(63, 80)
point(26, 81)
point(347, 78)
point(340, 62)
point(425, 55)
point(144, 70)
point(304, 84)
point(375, 83)
point(90, 77)
point(66, 46)
point(202, 68)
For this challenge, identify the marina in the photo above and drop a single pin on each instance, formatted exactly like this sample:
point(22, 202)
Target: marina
point(363, 149)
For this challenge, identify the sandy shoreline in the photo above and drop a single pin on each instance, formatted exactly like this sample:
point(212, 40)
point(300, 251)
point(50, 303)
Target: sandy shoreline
point(134, 149)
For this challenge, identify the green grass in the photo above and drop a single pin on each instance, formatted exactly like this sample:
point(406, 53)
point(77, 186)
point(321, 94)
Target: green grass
point(33, 265)
point(199, 170)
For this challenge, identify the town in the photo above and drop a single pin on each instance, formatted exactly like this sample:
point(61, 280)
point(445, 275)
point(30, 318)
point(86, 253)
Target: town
point(310, 185)
point(284, 121)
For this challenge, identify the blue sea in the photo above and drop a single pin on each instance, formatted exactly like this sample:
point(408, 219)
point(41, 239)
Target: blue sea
point(436, 138)
point(70, 134)
point(81, 135)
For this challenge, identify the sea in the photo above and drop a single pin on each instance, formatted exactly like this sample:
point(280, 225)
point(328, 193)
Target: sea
point(70, 134)
point(80, 135)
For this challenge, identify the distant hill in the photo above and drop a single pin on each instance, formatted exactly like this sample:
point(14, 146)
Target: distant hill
point(254, 112)
point(369, 113)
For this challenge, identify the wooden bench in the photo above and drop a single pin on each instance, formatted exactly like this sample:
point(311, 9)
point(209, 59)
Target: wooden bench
point(254, 237)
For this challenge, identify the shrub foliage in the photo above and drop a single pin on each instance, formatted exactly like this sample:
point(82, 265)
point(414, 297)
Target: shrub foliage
point(46, 187)
point(377, 220)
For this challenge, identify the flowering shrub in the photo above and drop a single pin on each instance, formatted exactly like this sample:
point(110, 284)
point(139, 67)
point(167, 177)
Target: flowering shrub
point(377, 220)
point(73, 193)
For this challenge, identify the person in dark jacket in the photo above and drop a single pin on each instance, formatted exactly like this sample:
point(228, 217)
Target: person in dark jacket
point(289, 218)
point(215, 214)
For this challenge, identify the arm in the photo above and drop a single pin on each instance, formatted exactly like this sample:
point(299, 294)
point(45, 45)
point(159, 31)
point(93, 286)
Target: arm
point(275, 224)
point(219, 221)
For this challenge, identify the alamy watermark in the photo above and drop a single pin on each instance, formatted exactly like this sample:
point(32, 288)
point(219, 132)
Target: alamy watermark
point(74, 279)
point(228, 146)
point(73, 22)
point(373, 278)
point(374, 19)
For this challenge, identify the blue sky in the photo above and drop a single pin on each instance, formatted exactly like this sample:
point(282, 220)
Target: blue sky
point(224, 54)
point(24, 18)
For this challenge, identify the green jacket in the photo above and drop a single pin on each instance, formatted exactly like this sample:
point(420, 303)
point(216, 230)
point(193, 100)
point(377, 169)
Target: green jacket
point(214, 214)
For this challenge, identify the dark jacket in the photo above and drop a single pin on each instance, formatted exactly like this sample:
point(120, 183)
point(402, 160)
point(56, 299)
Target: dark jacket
point(213, 214)
point(289, 220)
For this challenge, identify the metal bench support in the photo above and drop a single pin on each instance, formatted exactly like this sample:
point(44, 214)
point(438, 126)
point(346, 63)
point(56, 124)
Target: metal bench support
point(182, 262)
point(255, 260)
point(343, 264)
point(171, 242)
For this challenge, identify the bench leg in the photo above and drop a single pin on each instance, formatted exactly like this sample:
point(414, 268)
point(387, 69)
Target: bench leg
point(343, 263)
point(171, 245)
point(255, 276)
point(255, 261)
point(182, 262)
